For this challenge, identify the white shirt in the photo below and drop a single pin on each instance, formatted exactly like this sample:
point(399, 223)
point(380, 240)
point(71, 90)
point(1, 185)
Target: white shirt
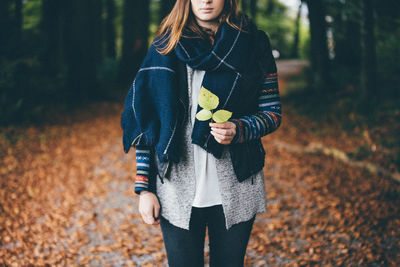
point(207, 187)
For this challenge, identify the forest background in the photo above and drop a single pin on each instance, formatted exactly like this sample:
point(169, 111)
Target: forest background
point(332, 172)
point(57, 55)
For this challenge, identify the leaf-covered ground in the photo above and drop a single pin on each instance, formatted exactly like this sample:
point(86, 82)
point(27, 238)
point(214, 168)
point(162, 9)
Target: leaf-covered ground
point(66, 199)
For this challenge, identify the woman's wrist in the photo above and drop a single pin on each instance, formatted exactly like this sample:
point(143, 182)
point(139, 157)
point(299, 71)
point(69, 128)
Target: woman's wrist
point(144, 192)
point(236, 138)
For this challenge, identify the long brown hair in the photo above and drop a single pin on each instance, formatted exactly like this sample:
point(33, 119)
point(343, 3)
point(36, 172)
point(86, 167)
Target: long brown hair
point(181, 18)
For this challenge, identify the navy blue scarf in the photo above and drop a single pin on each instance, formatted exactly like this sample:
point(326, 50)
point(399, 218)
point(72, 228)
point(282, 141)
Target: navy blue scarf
point(150, 114)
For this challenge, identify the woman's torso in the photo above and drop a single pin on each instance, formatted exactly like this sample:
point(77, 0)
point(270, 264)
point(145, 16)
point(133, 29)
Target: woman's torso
point(240, 200)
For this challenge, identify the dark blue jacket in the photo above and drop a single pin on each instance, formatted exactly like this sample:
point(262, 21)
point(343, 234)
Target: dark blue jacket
point(247, 158)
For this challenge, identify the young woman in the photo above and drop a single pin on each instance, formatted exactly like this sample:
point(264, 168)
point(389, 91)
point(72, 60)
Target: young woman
point(193, 174)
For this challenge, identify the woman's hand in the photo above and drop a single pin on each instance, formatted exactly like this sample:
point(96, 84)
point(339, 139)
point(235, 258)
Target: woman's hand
point(223, 132)
point(149, 207)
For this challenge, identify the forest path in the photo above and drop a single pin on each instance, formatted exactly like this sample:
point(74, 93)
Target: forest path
point(287, 68)
point(73, 203)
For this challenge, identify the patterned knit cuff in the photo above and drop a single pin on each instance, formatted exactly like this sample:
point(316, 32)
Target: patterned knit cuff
point(239, 131)
point(142, 168)
point(141, 183)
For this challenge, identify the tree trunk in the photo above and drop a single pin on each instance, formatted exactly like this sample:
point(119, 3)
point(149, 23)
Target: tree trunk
point(83, 46)
point(165, 8)
point(296, 39)
point(96, 29)
point(347, 34)
point(270, 7)
point(244, 6)
point(319, 48)
point(253, 8)
point(368, 58)
point(110, 29)
point(6, 44)
point(18, 21)
point(51, 27)
point(135, 36)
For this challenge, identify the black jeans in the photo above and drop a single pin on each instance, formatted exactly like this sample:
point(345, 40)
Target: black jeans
point(186, 247)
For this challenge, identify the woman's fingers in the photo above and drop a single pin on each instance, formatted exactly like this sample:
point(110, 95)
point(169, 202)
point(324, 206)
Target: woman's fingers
point(220, 137)
point(150, 219)
point(157, 213)
point(226, 128)
point(223, 139)
point(222, 125)
point(223, 132)
point(149, 208)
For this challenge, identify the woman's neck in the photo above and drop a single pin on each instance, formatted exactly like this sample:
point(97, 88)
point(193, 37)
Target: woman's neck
point(209, 31)
point(208, 26)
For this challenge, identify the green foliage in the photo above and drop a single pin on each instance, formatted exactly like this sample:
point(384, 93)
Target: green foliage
point(154, 19)
point(304, 44)
point(209, 101)
point(388, 56)
point(221, 115)
point(346, 25)
point(107, 79)
point(31, 11)
point(25, 90)
point(278, 25)
point(118, 27)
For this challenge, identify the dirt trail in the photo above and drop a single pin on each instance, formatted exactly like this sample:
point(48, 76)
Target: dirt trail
point(286, 69)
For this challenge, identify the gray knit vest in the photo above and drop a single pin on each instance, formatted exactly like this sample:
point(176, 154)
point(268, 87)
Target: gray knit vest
point(240, 200)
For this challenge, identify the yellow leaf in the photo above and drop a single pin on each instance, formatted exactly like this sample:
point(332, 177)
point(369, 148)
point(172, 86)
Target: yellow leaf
point(207, 99)
point(221, 115)
point(204, 115)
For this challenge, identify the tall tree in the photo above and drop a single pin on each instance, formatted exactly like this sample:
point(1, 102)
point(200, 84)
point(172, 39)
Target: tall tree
point(368, 58)
point(165, 8)
point(110, 29)
point(51, 27)
point(319, 47)
point(347, 32)
point(83, 46)
point(18, 20)
point(253, 8)
point(95, 23)
point(270, 7)
point(6, 24)
point(296, 39)
point(244, 5)
point(135, 36)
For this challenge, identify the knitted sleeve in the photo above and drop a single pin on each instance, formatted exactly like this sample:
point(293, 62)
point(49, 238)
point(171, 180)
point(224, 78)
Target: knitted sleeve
point(268, 117)
point(143, 154)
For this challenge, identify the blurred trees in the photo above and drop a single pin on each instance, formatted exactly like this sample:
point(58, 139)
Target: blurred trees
point(368, 53)
point(135, 31)
point(361, 36)
point(83, 46)
point(319, 48)
point(10, 27)
point(295, 47)
point(110, 30)
point(71, 51)
point(272, 16)
point(166, 7)
point(52, 27)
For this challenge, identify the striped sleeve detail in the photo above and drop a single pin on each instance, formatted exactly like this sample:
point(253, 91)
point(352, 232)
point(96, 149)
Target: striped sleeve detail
point(268, 117)
point(142, 168)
